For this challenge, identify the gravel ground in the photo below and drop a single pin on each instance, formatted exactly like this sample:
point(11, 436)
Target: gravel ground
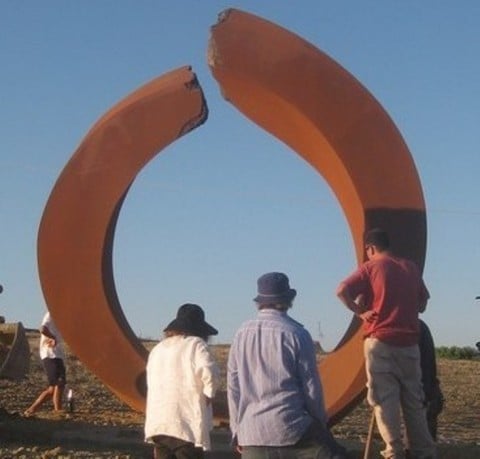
point(104, 427)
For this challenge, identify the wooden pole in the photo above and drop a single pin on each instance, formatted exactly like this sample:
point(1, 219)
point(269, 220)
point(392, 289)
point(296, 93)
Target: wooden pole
point(368, 444)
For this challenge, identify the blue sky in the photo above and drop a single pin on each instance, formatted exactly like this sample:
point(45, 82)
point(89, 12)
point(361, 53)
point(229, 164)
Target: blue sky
point(228, 202)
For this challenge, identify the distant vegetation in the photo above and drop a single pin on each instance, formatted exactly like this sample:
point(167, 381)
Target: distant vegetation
point(457, 353)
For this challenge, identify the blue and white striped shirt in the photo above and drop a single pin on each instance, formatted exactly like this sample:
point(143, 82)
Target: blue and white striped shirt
point(273, 386)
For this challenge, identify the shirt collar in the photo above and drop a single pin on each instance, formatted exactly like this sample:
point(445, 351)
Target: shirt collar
point(272, 313)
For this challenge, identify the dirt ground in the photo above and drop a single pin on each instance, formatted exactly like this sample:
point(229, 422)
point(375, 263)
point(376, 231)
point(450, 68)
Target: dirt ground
point(104, 427)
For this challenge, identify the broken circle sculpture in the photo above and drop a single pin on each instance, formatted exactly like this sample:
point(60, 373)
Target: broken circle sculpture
point(287, 87)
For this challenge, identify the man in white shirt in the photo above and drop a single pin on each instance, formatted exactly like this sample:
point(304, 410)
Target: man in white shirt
point(52, 355)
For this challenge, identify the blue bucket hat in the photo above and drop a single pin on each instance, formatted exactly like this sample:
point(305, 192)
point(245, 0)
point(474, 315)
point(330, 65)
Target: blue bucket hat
point(274, 288)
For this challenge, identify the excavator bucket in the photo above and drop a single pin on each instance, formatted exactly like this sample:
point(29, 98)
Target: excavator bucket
point(14, 351)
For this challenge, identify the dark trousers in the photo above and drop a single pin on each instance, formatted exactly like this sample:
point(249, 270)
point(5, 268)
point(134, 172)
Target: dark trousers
point(316, 443)
point(174, 448)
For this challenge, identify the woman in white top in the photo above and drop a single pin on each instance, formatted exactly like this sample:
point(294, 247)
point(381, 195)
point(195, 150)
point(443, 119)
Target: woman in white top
point(182, 377)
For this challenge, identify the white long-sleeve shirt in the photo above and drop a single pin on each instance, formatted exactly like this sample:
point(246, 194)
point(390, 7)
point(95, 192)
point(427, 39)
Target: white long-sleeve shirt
point(181, 373)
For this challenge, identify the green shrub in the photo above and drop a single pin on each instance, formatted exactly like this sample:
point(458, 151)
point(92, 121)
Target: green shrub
point(456, 352)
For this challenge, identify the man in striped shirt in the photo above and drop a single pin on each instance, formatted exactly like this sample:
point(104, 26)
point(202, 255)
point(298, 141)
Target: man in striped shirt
point(275, 395)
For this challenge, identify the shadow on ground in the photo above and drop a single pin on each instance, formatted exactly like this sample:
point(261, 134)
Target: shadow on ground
point(66, 437)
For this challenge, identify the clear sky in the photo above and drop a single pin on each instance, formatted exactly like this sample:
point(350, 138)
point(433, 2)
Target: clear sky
point(229, 202)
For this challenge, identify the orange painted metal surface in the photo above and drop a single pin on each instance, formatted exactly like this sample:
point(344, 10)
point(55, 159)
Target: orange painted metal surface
point(77, 228)
point(288, 88)
point(302, 97)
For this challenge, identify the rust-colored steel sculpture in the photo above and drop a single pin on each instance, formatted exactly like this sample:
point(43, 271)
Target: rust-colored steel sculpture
point(304, 98)
point(76, 232)
point(290, 89)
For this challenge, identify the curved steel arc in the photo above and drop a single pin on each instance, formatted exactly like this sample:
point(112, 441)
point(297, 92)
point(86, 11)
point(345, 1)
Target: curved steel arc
point(76, 232)
point(301, 96)
point(287, 87)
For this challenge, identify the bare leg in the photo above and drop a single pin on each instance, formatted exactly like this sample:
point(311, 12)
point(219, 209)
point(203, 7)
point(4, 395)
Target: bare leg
point(46, 394)
point(57, 398)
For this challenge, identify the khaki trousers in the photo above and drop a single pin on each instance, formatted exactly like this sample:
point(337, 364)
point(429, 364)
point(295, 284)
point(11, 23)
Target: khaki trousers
point(395, 389)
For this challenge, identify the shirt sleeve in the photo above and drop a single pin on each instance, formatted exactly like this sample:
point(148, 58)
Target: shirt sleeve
point(359, 283)
point(207, 369)
point(233, 389)
point(310, 379)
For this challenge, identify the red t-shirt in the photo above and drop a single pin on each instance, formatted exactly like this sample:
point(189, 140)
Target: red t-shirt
point(394, 288)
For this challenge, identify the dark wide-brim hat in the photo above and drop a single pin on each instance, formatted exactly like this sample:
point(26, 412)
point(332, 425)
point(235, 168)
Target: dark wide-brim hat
point(274, 288)
point(191, 320)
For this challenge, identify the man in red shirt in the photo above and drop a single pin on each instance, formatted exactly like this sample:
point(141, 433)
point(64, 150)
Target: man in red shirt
point(388, 293)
